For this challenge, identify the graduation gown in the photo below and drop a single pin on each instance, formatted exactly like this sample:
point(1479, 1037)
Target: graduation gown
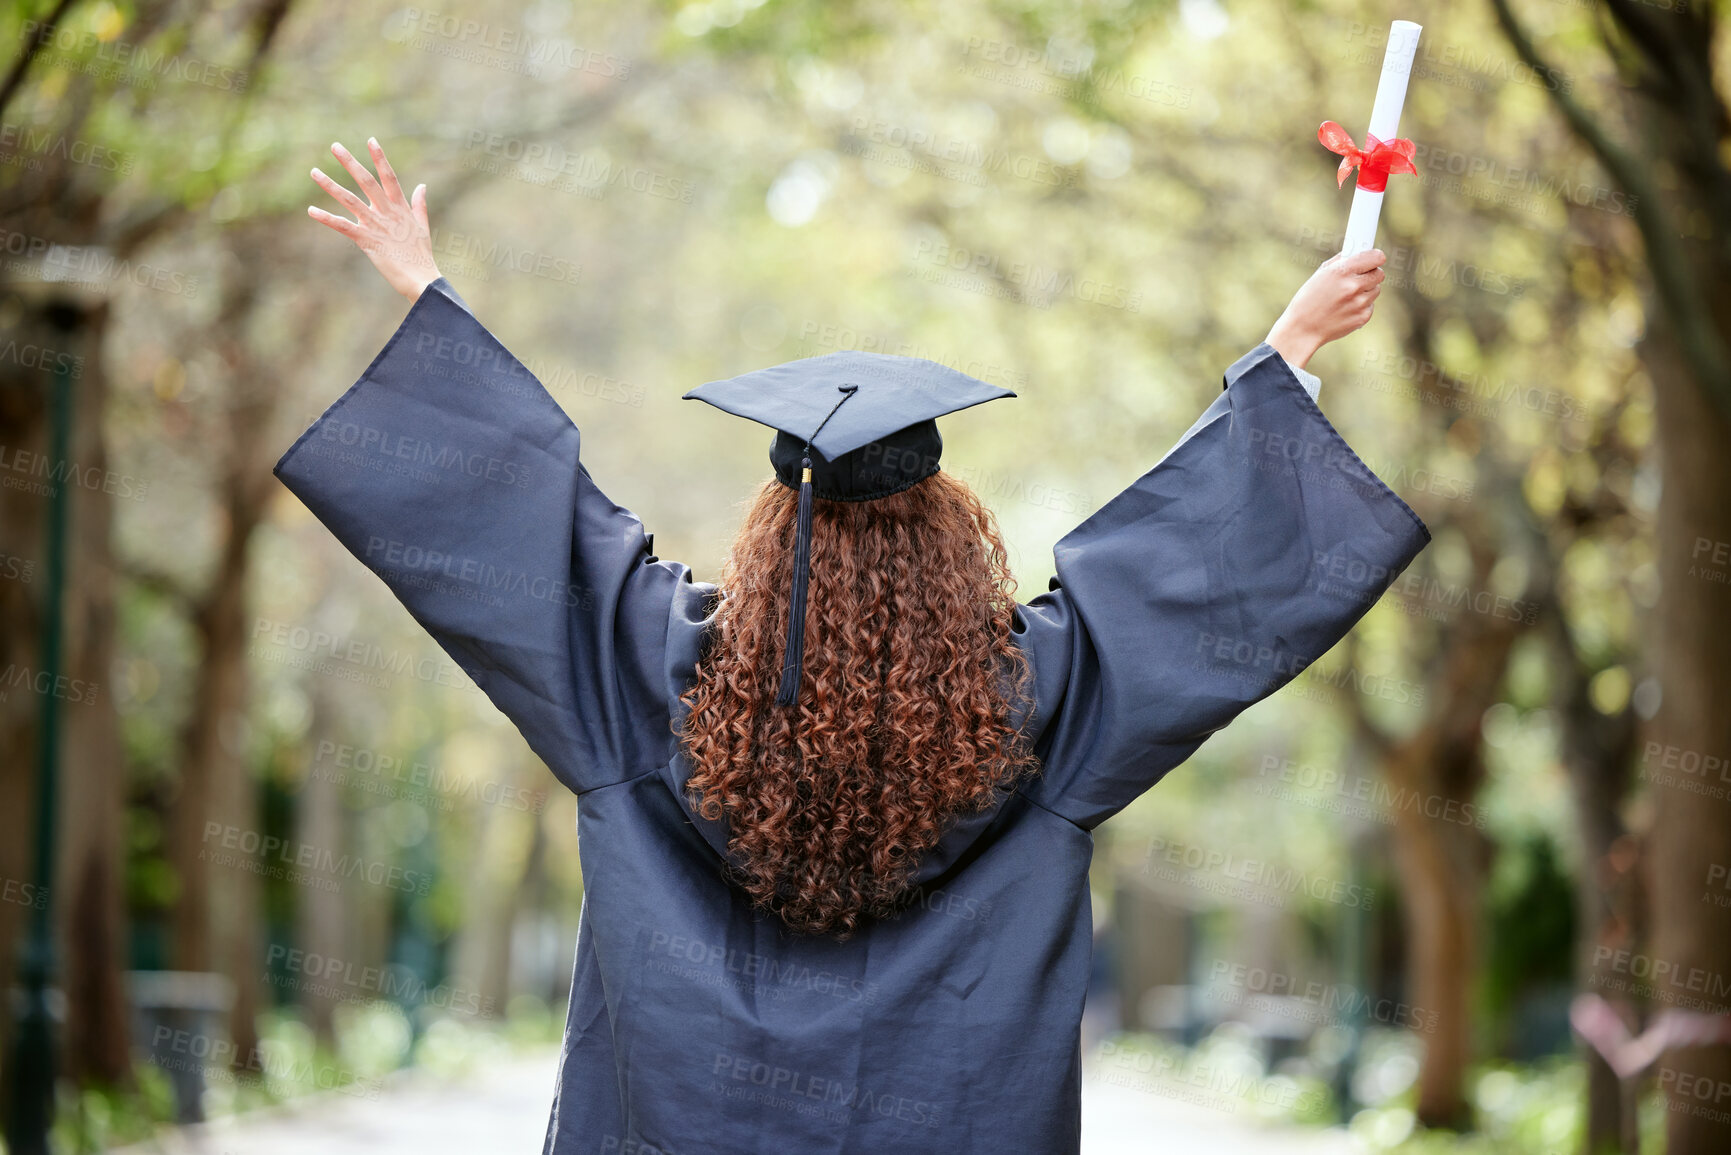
point(697, 1025)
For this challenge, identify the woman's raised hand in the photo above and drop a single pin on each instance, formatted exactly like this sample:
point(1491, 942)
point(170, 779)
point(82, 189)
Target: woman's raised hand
point(1336, 300)
point(391, 229)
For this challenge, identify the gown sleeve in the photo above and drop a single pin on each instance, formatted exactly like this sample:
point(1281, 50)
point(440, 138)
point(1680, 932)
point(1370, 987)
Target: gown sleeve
point(1251, 548)
point(449, 471)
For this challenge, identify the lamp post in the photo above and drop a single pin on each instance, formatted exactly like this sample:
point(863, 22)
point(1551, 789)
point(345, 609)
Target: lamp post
point(33, 1059)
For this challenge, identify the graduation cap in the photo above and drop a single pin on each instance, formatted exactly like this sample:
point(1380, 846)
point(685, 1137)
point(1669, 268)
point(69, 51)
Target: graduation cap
point(850, 426)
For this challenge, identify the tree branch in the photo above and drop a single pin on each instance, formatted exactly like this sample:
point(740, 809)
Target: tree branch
point(44, 31)
point(1700, 341)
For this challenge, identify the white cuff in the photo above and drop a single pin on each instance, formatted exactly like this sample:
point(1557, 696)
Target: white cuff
point(1311, 382)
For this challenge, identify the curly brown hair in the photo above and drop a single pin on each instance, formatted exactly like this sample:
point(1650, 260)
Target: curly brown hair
point(904, 717)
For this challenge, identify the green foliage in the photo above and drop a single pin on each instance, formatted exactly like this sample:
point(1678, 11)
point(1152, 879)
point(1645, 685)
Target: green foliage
point(1531, 915)
point(1536, 1109)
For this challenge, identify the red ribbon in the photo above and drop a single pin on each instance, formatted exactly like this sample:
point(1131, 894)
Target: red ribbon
point(1374, 164)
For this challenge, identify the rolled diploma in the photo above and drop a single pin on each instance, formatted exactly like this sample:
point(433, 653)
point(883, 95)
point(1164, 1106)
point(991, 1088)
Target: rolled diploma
point(1384, 125)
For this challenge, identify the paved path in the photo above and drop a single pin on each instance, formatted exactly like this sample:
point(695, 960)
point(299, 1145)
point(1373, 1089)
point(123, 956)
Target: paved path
point(504, 1110)
point(1133, 1120)
point(501, 1110)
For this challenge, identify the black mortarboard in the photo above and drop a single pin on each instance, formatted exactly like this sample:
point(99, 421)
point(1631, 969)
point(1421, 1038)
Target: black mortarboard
point(850, 426)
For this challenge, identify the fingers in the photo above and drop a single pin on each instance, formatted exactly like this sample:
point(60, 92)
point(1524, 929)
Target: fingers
point(387, 174)
point(419, 204)
point(1341, 294)
point(1363, 262)
point(341, 224)
point(359, 172)
point(344, 197)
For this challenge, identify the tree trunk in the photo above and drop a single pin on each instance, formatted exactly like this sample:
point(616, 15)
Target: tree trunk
point(217, 922)
point(1686, 751)
point(1609, 902)
point(1439, 885)
point(1671, 162)
point(1610, 898)
point(320, 913)
point(1441, 863)
point(92, 811)
point(215, 808)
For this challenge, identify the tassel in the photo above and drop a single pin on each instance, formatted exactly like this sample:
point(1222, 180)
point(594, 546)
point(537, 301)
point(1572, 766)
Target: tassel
point(793, 653)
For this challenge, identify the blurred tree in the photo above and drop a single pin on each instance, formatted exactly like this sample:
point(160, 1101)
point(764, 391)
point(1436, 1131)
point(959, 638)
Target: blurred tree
point(320, 913)
point(214, 931)
point(55, 194)
point(1441, 864)
point(1664, 143)
point(49, 198)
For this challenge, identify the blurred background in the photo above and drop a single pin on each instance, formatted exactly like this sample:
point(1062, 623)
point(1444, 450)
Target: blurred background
point(277, 877)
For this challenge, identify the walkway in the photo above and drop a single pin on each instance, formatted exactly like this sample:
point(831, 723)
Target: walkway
point(505, 1110)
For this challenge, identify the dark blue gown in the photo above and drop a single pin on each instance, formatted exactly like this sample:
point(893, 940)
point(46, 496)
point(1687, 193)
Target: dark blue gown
point(696, 1025)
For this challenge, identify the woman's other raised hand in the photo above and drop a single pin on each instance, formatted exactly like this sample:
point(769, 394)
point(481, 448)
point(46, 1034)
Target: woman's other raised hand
point(390, 228)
